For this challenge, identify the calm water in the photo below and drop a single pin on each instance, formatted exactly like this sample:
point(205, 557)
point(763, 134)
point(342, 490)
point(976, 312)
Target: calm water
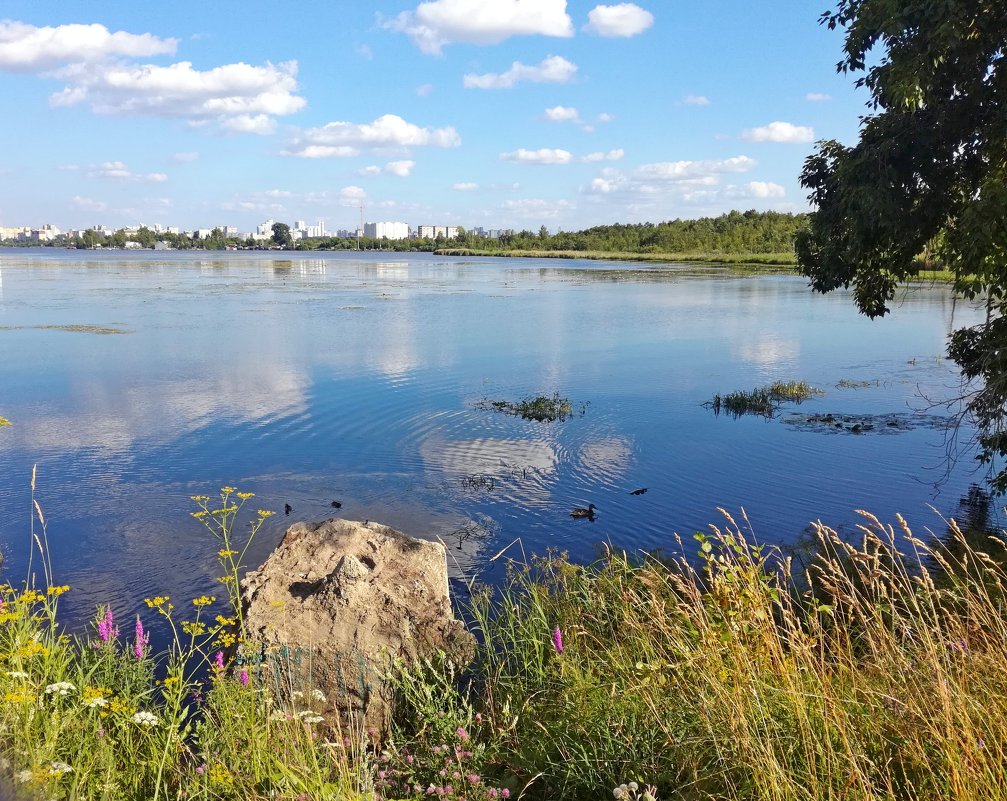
point(356, 378)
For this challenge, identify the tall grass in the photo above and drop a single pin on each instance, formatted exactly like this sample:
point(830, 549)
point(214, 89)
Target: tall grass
point(877, 671)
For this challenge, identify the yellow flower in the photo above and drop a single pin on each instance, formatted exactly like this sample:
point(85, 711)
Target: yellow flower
point(157, 601)
point(18, 698)
point(263, 513)
point(31, 648)
point(219, 774)
point(245, 495)
point(198, 515)
point(119, 707)
point(223, 554)
point(193, 629)
point(30, 597)
point(200, 498)
point(203, 600)
point(227, 490)
point(226, 621)
point(58, 591)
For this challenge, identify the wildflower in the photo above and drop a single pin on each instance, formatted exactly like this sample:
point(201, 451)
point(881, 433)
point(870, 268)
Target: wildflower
point(23, 776)
point(318, 695)
point(157, 601)
point(55, 592)
point(94, 697)
point(18, 674)
point(225, 552)
point(243, 678)
point(107, 630)
point(505, 793)
point(200, 498)
point(218, 660)
point(312, 719)
point(60, 688)
point(264, 513)
point(557, 640)
point(141, 640)
point(220, 775)
point(245, 495)
point(473, 778)
point(203, 600)
point(59, 768)
point(462, 734)
point(145, 719)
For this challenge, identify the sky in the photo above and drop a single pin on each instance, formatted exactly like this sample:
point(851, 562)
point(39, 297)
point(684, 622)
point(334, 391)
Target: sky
point(479, 113)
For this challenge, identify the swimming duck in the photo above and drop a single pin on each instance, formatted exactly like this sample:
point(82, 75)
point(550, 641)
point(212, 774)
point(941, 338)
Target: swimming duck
point(588, 513)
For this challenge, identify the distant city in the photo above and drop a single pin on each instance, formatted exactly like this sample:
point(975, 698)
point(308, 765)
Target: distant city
point(165, 236)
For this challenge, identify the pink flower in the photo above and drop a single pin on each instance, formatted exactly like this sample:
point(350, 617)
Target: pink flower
point(462, 734)
point(107, 630)
point(218, 660)
point(243, 678)
point(557, 640)
point(505, 793)
point(141, 640)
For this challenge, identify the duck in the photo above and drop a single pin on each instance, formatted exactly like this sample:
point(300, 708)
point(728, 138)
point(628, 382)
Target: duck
point(287, 508)
point(336, 505)
point(581, 513)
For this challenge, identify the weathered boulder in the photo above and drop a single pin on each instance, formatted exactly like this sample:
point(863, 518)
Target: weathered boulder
point(335, 603)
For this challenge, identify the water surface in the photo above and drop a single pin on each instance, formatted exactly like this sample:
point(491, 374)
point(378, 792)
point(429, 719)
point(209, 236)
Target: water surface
point(135, 381)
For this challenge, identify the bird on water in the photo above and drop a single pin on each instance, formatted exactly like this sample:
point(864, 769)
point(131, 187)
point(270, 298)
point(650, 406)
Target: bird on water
point(584, 513)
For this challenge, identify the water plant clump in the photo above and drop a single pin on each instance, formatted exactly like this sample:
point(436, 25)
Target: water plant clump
point(763, 401)
point(541, 408)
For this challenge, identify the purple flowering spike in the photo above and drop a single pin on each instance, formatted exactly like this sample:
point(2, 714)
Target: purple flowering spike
point(557, 640)
point(218, 660)
point(243, 678)
point(107, 630)
point(140, 641)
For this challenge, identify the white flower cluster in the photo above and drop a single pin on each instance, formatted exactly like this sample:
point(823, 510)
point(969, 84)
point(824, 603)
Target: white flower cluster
point(18, 674)
point(60, 688)
point(307, 716)
point(145, 719)
point(97, 701)
point(58, 768)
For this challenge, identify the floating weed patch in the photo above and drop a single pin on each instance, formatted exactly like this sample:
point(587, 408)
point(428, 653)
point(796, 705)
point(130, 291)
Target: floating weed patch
point(5, 422)
point(850, 383)
point(763, 401)
point(866, 423)
point(541, 408)
point(76, 329)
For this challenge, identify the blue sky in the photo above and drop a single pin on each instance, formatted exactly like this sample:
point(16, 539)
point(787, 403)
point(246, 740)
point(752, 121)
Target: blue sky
point(493, 113)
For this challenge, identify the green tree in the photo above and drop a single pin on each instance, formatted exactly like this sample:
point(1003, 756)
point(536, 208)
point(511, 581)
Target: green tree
point(281, 235)
point(929, 172)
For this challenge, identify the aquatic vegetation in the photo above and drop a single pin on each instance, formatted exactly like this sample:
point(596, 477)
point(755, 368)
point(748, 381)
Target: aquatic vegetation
point(851, 383)
point(541, 408)
point(763, 401)
point(77, 329)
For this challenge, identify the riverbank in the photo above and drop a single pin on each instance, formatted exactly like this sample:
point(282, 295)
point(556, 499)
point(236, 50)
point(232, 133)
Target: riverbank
point(768, 259)
point(869, 669)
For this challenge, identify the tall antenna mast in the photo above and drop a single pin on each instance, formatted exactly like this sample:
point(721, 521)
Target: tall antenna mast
point(360, 230)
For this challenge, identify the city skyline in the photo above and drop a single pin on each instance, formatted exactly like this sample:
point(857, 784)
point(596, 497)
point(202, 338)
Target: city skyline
point(496, 113)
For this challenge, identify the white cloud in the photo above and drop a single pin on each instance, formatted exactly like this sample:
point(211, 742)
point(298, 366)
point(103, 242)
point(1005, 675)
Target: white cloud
point(352, 195)
point(605, 117)
point(562, 114)
point(537, 209)
point(30, 49)
point(554, 69)
point(278, 193)
point(817, 97)
point(400, 168)
point(424, 89)
point(764, 189)
point(692, 170)
point(780, 132)
point(185, 158)
point(622, 20)
point(118, 170)
point(696, 100)
point(374, 169)
point(260, 124)
point(439, 22)
point(338, 139)
point(88, 204)
point(611, 155)
point(241, 97)
point(544, 155)
point(465, 186)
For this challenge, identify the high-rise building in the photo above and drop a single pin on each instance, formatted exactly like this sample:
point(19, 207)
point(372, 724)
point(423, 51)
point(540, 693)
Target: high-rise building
point(386, 230)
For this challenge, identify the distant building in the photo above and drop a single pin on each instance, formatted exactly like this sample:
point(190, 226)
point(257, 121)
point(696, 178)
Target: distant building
point(265, 228)
point(434, 231)
point(386, 230)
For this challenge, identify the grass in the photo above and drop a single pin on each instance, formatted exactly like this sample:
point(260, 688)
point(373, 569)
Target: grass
point(852, 383)
point(763, 400)
point(767, 259)
point(874, 669)
point(541, 408)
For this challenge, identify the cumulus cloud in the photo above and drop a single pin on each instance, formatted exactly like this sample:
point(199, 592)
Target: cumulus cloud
point(605, 117)
point(440, 22)
point(763, 189)
point(88, 204)
point(537, 209)
point(611, 155)
point(26, 48)
point(340, 139)
point(554, 69)
point(400, 168)
point(465, 186)
point(351, 195)
point(544, 155)
point(562, 114)
point(374, 169)
point(780, 132)
point(622, 20)
point(690, 170)
point(118, 170)
point(241, 97)
point(817, 97)
point(696, 100)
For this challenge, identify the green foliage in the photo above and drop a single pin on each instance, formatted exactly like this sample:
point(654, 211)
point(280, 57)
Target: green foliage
point(763, 400)
point(281, 235)
point(927, 176)
point(541, 408)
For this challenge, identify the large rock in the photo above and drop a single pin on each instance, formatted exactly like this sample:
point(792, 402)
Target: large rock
point(336, 602)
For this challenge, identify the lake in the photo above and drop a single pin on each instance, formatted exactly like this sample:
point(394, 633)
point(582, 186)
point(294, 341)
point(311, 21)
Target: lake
point(135, 380)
